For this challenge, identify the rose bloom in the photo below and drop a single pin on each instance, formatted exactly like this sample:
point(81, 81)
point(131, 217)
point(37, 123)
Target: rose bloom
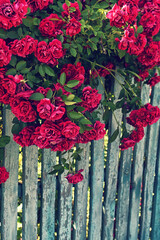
point(144, 74)
point(4, 175)
point(50, 130)
point(150, 24)
point(55, 49)
point(100, 131)
point(25, 137)
point(71, 14)
point(39, 140)
point(73, 27)
point(69, 129)
point(137, 47)
point(91, 99)
point(137, 134)
point(12, 14)
point(51, 26)
point(42, 52)
point(75, 178)
point(5, 53)
point(61, 144)
point(154, 80)
point(38, 4)
point(9, 84)
point(127, 143)
point(118, 17)
point(153, 113)
point(2, 72)
point(45, 108)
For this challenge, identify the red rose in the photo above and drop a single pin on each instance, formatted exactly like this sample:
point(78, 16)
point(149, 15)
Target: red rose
point(42, 53)
point(51, 26)
point(154, 80)
point(24, 111)
point(153, 113)
point(45, 108)
point(143, 75)
point(137, 134)
point(4, 175)
point(68, 11)
point(118, 17)
point(9, 84)
point(138, 45)
point(38, 4)
point(100, 131)
point(50, 130)
point(5, 53)
point(61, 144)
point(150, 24)
point(73, 27)
point(75, 178)
point(55, 49)
point(69, 129)
point(137, 118)
point(57, 113)
point(91, 99)
point(25, 137)
point(2, 72)
point(127, 143)
point(39, 140)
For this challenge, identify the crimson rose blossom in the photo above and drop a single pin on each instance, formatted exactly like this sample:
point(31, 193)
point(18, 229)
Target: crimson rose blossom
point(5, 53)
point(25, 137)
point(73, 27)
point(38, 4)
point(71, 14)
point(75, 178)
point(154, 80)
point(69, 129)
point(4, 175)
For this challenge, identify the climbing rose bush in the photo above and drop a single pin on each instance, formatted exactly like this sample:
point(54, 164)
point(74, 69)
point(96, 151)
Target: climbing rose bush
point(54, 56)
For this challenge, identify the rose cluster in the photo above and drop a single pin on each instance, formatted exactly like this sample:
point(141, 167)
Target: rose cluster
point(49, 124)
point(4, 175)
point(139, 119)
point(138, 40)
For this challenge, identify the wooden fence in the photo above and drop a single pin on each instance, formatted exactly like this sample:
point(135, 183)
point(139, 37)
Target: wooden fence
point(119, 197)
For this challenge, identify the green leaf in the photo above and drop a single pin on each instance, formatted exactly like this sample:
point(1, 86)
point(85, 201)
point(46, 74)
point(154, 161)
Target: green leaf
point(49, 71)
point(25, 70)
point(4, 140)
point(85, 121)
point(62, 79)
point(36, 21)
point(12, 34)
point(140, 29)
point(41, 71)
point(68, 89)
point(11, 71)
point(59, 92)
point(49, 94)
point(16, 128)
point(67, 3)
point(15, 120)
point(13, 61)
point(73, 52)
point(72, 83)
point(111, 105)
point(21, 65)
point(77, 99)
point(114, 135)
point(37, 96)
point(68, 103)
point(3, 34)
point(28, 21)
point(75, 115)
point(80, 109)
point(53, 172)
point(121, 53)
point(70, 97)
point(20, 31)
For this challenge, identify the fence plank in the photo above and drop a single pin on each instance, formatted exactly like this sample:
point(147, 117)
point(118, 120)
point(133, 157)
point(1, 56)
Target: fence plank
point(48, 192)
point(64, 208)
point(10, 188)
point(136, 180)
point(29, 211)
point(111, 174)
point(155, 234)
point(149, 172)
point(81, 196)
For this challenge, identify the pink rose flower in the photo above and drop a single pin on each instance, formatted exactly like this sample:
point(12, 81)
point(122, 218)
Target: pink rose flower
point(75, 178)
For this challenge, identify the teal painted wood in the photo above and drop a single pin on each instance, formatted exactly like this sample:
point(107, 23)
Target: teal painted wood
point(81, 197)
point(96, 181)
point(155, 233)
point(149, 172)
point(111, 175)
point(48, 196)
point(97, 178)
point(123, 195)
point(29, 211)
point(65, 208)
point(136, 180)
point(10, 187)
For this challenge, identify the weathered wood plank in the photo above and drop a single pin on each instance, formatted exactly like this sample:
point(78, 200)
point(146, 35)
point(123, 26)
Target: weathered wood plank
point(48, 193)
point(29, 211)
point(81, 196)
point(123, 195)
point(10, 188)
point(64, 208)
point(155, 233)
point(136, 180)
point(111, 173)
point(148, 181)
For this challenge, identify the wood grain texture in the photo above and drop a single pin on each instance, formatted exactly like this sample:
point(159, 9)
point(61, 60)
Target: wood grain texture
point(155, 233)
point(111, 173)
point(10, 187)
point(81, 196)
point(136, 180)
point(148, 182)
point(29, 211)
point(64, 208)
point(48, 194)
